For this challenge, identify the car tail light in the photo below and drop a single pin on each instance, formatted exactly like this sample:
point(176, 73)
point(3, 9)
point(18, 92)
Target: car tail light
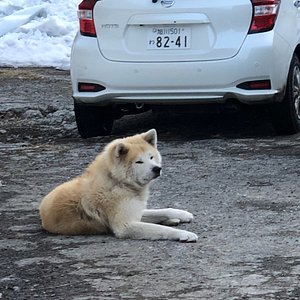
point(255, 85)
point(90, 87)
point(86, 18)
point(264, 15)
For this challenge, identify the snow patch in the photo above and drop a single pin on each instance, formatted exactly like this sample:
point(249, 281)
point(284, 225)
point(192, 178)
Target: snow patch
point(19, 18)
point(37, 33)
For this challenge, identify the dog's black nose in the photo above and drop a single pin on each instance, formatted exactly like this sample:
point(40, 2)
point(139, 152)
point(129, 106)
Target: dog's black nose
point(156, 170)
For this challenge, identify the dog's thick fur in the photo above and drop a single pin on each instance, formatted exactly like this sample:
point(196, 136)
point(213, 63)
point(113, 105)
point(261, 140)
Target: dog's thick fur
point(111, 196)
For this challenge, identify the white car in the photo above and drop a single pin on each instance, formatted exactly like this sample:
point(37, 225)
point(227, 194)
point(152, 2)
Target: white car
point(131, 55)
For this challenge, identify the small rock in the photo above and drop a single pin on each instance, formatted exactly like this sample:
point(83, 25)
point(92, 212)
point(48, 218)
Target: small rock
point(32, 114)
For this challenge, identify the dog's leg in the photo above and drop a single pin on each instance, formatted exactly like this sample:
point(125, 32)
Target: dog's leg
point(166, 216)
point(147, 231)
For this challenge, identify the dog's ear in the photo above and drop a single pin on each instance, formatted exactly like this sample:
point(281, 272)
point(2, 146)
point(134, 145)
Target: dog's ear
point(121, 150)
point(150, 137)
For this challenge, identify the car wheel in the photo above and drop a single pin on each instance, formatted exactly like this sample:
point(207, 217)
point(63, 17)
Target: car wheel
point(93, 120)
point(286, 114)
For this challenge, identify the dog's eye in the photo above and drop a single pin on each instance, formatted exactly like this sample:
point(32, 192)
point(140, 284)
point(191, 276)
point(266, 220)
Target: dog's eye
point(151, 157)
point(139, 162)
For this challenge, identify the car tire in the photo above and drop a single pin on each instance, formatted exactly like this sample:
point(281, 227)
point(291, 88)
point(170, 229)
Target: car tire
point(285, 115)
point(93, 121)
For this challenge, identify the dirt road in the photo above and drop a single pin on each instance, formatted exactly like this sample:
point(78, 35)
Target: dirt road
point(239, 179)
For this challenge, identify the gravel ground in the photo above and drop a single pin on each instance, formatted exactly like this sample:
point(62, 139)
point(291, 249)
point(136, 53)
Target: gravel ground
point(229, 169)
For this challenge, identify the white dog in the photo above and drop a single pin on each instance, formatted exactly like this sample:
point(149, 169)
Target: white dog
point(111, 196)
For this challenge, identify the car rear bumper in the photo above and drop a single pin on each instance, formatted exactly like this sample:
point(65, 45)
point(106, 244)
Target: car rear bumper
point(179, 82)
point(180, 97)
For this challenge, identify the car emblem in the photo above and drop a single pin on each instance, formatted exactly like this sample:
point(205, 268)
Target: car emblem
point(167, 3)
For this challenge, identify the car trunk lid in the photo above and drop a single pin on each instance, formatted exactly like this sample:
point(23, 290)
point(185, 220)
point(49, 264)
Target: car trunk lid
point(171, 30)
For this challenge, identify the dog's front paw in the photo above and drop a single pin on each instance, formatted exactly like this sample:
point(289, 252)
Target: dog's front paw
point(182, 215)
point(187, 237)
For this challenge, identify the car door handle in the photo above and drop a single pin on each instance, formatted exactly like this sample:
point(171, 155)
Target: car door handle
point(297, 3)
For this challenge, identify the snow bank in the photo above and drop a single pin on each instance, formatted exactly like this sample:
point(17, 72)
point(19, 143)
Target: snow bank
point(37, 33)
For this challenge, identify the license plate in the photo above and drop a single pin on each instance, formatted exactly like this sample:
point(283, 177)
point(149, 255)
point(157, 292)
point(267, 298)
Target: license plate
point(169, 38)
